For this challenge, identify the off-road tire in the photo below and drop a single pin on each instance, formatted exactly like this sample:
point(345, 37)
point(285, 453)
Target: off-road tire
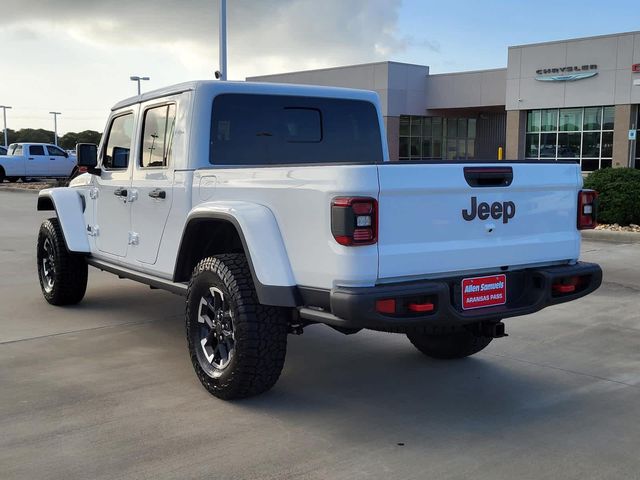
point(2, 175)
point(68, 271)
point(260, 331)
point(450, 345)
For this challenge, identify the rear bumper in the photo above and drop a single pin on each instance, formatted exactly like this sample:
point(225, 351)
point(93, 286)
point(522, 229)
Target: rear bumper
point(528, 291)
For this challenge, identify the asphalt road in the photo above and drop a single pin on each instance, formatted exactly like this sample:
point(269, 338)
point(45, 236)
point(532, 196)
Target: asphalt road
point(105, 390)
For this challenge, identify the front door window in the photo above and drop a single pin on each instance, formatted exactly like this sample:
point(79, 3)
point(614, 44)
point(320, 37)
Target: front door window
point(116, 154)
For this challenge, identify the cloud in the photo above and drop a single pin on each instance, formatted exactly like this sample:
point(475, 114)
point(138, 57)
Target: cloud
point(264, 36)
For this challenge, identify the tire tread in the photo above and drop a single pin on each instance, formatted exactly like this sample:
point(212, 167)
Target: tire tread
point(70, 283)
point(260, 331)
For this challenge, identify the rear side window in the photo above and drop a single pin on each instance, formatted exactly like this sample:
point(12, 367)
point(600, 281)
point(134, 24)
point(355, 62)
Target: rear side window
point(280, 130)
point(157, 137)
point(116, 155)
point(36, 150)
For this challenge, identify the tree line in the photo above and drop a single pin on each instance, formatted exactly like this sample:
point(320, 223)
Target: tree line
point(67, 141)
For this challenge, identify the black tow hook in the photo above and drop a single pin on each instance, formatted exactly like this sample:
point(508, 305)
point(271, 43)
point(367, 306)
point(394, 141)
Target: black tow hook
point(493, 330)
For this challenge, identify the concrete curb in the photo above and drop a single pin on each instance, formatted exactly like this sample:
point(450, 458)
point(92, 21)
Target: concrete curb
point(18, 190)
point(609, 236)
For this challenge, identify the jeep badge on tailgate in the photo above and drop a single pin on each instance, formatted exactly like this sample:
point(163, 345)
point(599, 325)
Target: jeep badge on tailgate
point(497, 210)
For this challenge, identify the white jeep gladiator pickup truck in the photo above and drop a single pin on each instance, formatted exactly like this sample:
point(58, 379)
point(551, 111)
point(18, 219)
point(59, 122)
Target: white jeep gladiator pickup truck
point(35, 160)
point(273, 207)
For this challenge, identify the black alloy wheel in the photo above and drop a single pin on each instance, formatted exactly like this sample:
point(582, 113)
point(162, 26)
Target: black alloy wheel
point(215, 332)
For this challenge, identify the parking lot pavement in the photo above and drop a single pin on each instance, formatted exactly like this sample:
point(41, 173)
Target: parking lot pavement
point(105, 390)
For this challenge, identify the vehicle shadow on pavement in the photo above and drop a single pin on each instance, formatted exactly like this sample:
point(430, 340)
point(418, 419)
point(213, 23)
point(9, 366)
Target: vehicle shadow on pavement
point(372, 377)
point(378, 381)
point(366, 385)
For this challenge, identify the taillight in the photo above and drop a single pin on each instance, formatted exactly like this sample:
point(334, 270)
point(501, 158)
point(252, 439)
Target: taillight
point(587, 206)
point(354, 220)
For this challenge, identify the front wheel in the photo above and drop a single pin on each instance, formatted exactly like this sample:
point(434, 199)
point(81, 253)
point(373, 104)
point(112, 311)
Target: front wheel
point(62, 274)
point(450, 345)
point(237, 346)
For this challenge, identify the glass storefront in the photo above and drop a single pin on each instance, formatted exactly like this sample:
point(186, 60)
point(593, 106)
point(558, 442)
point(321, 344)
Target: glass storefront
point(583, 134)
point(437, 138)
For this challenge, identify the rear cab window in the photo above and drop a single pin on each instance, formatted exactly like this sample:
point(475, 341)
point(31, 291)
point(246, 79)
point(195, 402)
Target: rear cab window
point(250, 129)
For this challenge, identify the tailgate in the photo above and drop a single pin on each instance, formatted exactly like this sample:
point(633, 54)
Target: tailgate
point(528, 220)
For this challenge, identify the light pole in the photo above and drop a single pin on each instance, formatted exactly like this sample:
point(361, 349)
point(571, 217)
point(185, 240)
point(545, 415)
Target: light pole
point(4, 116)
point(135, 78)
point(55, 126)
point(223, 39)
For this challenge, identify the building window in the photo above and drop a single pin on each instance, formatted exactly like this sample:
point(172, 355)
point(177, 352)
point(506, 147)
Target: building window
point(581, 134)
point(437, 138)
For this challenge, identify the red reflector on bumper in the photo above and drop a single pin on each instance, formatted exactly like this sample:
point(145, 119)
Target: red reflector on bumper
point(386, 306)
point(560, 288)
point(421, 307)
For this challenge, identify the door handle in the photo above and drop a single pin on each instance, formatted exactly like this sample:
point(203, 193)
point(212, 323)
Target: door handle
point(30, 158)
point(120, 192)
point(157, 193)
point(51, 158)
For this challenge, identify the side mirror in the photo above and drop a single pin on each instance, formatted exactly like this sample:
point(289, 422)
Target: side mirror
point(120, 157)
point(87, 155)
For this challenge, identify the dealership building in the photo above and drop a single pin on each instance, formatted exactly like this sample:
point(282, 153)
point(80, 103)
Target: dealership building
point(566, 100)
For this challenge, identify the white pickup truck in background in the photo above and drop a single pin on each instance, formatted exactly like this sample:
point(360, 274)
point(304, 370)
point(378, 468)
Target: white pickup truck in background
point(274, 207)
point(35, 160)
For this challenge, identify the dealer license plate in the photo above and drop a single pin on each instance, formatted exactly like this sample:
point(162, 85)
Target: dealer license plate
point(481, 292)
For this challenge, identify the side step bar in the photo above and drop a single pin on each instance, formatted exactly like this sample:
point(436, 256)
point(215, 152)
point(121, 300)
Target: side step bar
point(154, 282)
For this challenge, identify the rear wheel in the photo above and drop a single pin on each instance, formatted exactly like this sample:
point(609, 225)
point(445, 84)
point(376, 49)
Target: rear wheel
point(237, 346)
point(63, 275)
point(2, 175)
point(450, 345)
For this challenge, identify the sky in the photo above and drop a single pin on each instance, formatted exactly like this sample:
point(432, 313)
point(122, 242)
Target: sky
point(76, 56)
